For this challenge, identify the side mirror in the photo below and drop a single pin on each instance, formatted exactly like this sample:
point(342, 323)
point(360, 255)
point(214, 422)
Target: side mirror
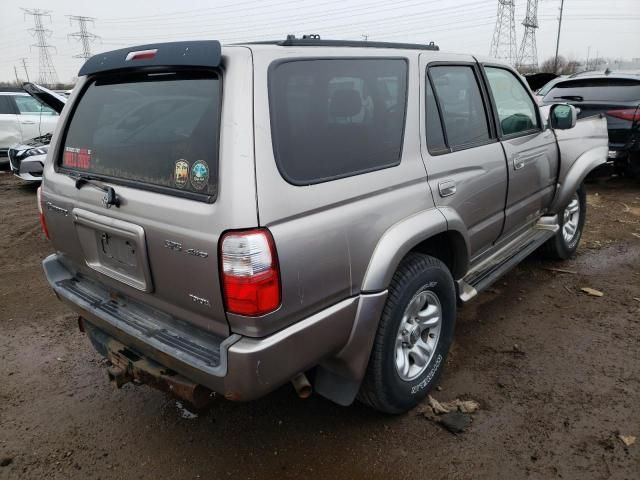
point(563, 116)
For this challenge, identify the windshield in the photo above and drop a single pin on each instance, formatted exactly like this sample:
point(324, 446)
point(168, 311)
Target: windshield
point(155, 129)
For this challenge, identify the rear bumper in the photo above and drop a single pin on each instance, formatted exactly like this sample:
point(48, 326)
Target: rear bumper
point(240, 368)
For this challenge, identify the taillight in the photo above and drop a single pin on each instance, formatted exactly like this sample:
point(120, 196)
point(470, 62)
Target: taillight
point(249, 270)
point(141, 55)
point(630, 114)
point(43, 221)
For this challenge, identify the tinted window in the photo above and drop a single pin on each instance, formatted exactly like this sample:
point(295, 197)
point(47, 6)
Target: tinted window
point(334, 118)
point(31, 106)
point(463, 113)
point(435, 136)
point(5, 105)
point(159, 130)
point(596, 89)
point(516, 110)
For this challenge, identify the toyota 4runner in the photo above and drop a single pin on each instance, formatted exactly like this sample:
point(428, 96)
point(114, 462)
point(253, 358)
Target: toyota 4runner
point(229, 219)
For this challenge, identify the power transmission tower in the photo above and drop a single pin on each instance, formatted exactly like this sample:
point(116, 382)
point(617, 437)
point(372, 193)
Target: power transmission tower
point(47, 74)
point(84, 36)
point(503, 44)
point(24, 65)
point(528, 54)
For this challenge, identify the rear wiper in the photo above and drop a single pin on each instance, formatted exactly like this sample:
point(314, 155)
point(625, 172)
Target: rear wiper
point(575, 98)
point(110, 197)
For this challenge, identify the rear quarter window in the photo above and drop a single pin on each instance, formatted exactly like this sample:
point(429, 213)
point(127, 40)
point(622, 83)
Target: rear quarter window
point(152, 130)
point(332, 118)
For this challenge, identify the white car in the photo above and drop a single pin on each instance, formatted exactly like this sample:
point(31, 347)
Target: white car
point(26, 157)
point(22, 117)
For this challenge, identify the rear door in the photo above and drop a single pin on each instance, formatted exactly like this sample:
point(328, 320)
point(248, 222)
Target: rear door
point(464, 160)
point(154, 136)
point(530, 149)
point(35, 118)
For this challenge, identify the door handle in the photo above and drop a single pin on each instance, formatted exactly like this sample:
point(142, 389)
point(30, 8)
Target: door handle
point(518, 162)
point(28, 122)
point(447, 188)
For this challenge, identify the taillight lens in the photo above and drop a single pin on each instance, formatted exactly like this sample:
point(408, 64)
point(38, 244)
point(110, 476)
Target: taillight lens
point(250, 275)
point(43, 221)
point(630, 114)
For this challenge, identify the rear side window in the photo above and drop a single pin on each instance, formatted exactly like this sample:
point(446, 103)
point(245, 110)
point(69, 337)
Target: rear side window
point(157, 130)
point(596, 90)
point(5, 105)
point(461, 105)
point(336, 118)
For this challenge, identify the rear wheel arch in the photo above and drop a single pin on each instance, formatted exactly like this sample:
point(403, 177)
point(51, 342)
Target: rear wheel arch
point(450, 248)
point(426, 232)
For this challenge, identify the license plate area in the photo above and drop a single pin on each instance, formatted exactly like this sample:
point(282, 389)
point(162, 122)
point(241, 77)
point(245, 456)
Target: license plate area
point(114, 248)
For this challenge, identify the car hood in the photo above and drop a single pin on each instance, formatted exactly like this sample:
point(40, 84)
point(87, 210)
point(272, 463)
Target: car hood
point(40, 141)
point(46, 96)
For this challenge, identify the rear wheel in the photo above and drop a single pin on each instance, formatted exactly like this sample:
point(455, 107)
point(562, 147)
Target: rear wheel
point(414, 335)
point(565, 242)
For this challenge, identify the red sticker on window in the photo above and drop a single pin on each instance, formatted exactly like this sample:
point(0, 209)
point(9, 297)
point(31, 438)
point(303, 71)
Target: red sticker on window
point(77, 158)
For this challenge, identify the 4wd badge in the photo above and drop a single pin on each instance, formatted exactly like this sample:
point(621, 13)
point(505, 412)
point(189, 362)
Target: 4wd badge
point(181, 174)
point(199, 175)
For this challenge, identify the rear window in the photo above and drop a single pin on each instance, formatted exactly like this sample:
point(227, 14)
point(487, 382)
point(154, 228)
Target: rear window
point(596, 90)
point(336, 118)
point(157, 130)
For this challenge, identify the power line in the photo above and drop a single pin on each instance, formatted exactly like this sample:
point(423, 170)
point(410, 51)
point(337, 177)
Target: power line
point(47, 73)
point(84, 36)
point(528, 55)
point(322, 26)
point(503, 43)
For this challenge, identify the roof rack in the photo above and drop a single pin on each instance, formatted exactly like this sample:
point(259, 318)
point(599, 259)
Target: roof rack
point(314, 40)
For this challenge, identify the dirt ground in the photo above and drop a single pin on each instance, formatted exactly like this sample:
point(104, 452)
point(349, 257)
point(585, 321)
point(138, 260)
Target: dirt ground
point(556, 373)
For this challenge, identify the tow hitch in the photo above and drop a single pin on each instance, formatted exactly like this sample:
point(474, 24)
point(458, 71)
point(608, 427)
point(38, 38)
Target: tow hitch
point(127, 366)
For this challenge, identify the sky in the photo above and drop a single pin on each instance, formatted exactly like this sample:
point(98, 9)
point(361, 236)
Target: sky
point(608, 28)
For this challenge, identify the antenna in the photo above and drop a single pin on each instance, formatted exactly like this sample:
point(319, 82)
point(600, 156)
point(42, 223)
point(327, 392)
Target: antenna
point(47, 74)
point(84, 36)
point(24, 65)
point(528, 55)
point(503, 44)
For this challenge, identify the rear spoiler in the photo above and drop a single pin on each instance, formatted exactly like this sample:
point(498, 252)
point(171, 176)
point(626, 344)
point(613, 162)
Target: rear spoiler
point(203, 53)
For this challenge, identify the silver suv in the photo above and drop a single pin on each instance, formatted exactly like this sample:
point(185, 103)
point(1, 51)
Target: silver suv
point(229, 219)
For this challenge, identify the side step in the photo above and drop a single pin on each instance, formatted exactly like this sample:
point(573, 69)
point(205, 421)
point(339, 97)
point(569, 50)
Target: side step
point(480, 277)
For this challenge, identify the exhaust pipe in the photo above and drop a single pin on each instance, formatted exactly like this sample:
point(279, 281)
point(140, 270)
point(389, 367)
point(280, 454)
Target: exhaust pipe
point(301, 383)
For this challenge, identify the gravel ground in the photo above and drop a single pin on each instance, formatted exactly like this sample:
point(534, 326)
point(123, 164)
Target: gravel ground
point(556, 373)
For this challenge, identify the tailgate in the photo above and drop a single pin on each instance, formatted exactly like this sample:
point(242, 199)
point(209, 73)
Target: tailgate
point(153, 138)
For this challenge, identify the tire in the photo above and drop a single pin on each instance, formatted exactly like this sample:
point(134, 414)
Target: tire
point(559, 247)
point(384, 388)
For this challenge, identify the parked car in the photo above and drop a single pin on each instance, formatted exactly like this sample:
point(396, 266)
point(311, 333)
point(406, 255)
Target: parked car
point(542, 91)
point(22, 118)
point(616, 96)
point(26, 159)
point(314, 205)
